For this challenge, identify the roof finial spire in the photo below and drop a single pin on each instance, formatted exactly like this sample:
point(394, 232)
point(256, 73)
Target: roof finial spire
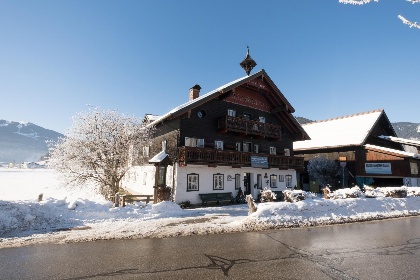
point(248, 63)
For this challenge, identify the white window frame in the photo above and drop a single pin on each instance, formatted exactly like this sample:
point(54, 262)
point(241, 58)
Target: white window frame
point(144, 178)
point(200, 143)
point(237, 181)
point(256, 148)
point(231, 113)
point(287, 152)
point(218, 145)
point(273, 151)
point(259, 181)
point(164, 143)
point(247, 146)
point(262, 119)
point(238, 146)
point(218, 182)
point(146, 151)
point(273, 181)
point(193, 180)
point(289, 181)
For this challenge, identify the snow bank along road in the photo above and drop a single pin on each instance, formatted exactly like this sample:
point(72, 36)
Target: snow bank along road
point(74, 215)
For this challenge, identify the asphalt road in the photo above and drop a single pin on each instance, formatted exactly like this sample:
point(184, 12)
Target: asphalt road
point(388, 249)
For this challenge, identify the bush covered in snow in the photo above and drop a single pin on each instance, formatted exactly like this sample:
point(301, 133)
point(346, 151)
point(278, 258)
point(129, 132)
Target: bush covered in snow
point(297, 195)
point(394, 192)
point(267, 195)
point(342, 193)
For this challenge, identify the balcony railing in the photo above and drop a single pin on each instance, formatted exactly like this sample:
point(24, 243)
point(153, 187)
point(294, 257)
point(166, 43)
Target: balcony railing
point(248, 127)
point(203, 156)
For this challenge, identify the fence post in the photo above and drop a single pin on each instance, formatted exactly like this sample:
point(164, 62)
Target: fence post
point(117, 200)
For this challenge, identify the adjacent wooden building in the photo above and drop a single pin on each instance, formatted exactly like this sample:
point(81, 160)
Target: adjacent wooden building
point(359, 143)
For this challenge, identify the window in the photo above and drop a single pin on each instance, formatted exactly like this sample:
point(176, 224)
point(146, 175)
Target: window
point(414, 168)
point(287, 152)
point(288, 181)
point(247, 147)
point(256, 148)
point(273, 151)
point(231, 113)
point(162, 176)
point(247, 116)
point(200, 143)
point(190, 142)
point(273, 181)
point(144, 178)
point(238, 146)
point(164, 145)
point(218, 181)
point(237, 181)
point(262, 119)
point(259, 181)
point(146, 151)
point(192, 182)
point(218, 145)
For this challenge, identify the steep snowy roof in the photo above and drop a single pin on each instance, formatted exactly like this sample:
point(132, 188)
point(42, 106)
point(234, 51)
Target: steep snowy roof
point(409, 142)
point(159, 157)
point(343, 131)
point(200, 99)
point(151, 117)
point(392, 151)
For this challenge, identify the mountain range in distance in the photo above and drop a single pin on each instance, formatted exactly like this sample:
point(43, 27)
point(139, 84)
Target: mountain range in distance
point(24, 141)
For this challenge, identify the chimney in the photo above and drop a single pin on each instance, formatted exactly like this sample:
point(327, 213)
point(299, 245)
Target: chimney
point(194, 92)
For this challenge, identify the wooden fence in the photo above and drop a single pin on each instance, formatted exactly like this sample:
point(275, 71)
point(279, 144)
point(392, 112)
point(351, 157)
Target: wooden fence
point(121, 199)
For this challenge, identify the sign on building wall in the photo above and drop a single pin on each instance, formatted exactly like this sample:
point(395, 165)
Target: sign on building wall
point(378, 168)
point(259, 162)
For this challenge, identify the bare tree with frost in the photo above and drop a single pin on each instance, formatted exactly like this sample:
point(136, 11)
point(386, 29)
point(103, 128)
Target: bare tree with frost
point(98, 148)
point(324, 170)
point(403, 19)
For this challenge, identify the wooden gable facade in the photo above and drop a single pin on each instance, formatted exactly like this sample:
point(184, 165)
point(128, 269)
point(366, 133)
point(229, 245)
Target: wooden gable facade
point(229, 125)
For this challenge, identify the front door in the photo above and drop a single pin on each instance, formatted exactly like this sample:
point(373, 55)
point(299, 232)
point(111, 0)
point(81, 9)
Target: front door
point(247, 183)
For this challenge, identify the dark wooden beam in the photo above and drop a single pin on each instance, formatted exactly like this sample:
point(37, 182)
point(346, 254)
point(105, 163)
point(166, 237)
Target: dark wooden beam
point(282, 108)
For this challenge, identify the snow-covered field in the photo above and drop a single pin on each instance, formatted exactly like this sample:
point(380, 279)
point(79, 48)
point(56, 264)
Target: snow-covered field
point(73, 215)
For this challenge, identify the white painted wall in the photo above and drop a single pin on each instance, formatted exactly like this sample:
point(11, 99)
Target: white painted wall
point(140, 179)
point(412, 182)
point(206, 180)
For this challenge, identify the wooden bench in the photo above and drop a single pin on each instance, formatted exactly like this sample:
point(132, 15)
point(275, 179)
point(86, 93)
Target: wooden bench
point(216, 197)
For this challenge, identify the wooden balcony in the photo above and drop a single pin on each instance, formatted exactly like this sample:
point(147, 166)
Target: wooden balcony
point(213, 157)
point(248, 127)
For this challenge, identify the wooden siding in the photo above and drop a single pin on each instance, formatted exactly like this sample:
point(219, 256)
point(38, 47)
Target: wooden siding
point(207, 127)
point(383, 127)
point(400, 166)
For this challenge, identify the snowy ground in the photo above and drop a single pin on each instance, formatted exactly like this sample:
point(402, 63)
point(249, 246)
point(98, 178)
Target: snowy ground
point(73, 215)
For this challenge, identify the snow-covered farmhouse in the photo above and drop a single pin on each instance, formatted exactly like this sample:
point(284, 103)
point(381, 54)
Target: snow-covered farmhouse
point(238, 136)
point(366, 146)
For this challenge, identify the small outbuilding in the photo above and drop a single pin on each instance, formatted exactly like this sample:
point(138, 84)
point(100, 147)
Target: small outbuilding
point(363, 146)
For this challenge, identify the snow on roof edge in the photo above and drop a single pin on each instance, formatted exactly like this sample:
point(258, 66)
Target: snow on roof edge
point(413, 155)
point(159, 157)
point(200, 98)
point(345, 117)
point(401, 140)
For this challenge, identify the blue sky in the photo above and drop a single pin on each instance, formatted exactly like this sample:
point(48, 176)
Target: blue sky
point(140, 57)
